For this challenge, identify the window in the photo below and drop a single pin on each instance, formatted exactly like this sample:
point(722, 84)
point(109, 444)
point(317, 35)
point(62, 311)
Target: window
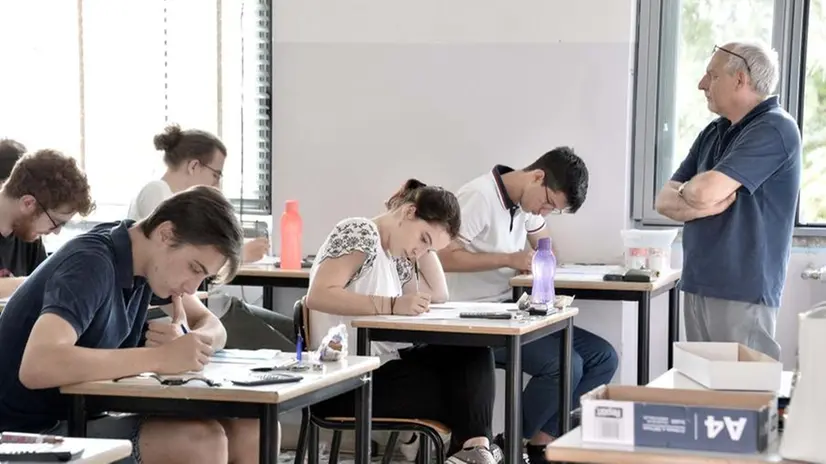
point(813, 108)
point(97, 79)
point(676, 40)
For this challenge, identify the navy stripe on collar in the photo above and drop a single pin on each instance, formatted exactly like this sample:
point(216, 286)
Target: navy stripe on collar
point(498, 171)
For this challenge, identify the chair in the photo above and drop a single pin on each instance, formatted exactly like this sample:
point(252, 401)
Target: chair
point(310, 424)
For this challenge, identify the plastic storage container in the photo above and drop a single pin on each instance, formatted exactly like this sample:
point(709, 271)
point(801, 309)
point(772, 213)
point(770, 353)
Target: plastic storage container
point(291, 228)
point(543, 268)
point(648, 249)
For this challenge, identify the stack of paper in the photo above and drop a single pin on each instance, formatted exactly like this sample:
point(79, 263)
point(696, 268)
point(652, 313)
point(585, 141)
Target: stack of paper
point(235, 356)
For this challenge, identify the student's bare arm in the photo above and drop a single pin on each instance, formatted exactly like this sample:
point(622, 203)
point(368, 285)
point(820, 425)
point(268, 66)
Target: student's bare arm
point(328, 295)
point(431, 279)
point(9, 284)
point(533, 238)
point(455, 258)
point(51, 358)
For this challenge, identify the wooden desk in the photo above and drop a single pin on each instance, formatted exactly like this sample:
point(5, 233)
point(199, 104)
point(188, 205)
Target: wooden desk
point(264, 403)
point(511, 334)
point(570, 448)
point(638, 292)
point(269, 277)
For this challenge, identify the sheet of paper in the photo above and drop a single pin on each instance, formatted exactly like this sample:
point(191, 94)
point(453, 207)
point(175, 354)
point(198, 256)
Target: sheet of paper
point(265, 261)
point(473, 306)
point(453, 309)
point(244, 356)
point(586, 272)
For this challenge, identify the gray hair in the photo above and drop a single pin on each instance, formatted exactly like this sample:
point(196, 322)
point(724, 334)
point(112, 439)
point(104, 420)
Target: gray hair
point(763, 65)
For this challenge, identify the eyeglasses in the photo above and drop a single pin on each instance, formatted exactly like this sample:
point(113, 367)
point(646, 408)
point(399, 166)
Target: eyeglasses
point(555, 209)
point(748, 68)
point(55, 225)
point(171, 381)
point(218, 174)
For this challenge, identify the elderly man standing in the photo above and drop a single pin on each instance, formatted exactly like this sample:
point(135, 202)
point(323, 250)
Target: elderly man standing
point(737, 194)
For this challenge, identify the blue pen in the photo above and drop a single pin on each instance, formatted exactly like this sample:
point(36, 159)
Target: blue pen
point(298, 347)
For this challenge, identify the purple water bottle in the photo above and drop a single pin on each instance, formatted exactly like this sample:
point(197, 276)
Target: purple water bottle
point(544, 269)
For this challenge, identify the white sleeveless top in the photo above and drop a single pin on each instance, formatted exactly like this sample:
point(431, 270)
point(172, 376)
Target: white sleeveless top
point(150, 196)
point(381, 275)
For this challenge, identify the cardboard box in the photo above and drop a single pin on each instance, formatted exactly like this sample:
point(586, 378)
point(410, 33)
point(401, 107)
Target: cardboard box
point(701, 420)
point(728, 366)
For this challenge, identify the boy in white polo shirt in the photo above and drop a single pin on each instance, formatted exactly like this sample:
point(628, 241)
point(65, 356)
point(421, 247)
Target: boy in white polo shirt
point(500, 210)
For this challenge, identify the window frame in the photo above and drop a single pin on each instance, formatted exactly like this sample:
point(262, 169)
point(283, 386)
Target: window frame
point(789, 33)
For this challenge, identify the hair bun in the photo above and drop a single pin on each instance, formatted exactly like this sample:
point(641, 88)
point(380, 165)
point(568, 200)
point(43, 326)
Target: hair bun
point(413, 184)
point(170, 137)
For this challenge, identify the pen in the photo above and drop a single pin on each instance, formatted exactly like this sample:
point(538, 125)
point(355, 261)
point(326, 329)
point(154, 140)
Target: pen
point(183, 329)
point(416, 269)
point(298, 347)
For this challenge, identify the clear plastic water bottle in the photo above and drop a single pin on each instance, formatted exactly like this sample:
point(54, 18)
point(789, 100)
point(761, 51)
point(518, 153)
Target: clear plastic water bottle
point(544, 269)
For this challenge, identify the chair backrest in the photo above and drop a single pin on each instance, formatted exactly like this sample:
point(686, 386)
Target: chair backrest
point(301, 318)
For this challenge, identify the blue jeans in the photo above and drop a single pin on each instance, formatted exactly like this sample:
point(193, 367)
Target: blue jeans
point(593, 363)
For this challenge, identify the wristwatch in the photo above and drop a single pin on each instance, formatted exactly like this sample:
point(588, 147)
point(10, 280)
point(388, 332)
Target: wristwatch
point(681, 188)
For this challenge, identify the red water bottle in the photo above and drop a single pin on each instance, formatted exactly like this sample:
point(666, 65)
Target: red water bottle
point(291, 236)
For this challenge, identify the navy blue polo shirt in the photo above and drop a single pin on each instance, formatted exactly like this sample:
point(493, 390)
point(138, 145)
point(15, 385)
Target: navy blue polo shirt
point(741, 254)
point(90, 283)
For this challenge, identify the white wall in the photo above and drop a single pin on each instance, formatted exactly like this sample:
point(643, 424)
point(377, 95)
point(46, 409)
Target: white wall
point(371, 92)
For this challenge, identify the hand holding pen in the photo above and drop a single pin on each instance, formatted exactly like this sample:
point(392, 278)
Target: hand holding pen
point(163, 331)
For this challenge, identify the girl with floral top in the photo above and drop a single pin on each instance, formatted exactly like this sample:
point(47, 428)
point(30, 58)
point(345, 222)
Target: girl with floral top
point(368, 267)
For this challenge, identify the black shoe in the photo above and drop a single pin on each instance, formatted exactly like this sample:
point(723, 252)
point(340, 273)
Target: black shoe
point(535, 453)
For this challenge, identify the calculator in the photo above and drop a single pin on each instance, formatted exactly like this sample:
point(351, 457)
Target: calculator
point(37, 452)
point(255, 379)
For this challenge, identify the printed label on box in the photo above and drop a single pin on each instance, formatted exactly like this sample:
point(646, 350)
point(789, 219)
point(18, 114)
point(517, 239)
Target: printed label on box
point(663, 426)
point(609, 422)
point(728, 430)
point(689, 427)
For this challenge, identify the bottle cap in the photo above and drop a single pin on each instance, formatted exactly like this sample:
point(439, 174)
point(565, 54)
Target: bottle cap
point(544, 244)
point(291, 206)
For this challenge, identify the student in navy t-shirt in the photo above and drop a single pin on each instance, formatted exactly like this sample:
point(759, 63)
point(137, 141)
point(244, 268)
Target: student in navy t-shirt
point(80, 315)
point(737, 194)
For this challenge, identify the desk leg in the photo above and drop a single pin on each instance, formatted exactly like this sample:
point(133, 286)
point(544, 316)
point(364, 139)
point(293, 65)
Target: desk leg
point(565, 398)
point(268, 434)
point(513, 401)
point(364, 414)
point(363, 342)
point(77, 416)
point(673, 322)
point(267, 297)
point(643, 337)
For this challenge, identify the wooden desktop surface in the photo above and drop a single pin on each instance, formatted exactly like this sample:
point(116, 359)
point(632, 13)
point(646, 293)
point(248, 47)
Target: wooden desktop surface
point(665, 278)
point(349, 367)
point(464, 326)
point(269, 270)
